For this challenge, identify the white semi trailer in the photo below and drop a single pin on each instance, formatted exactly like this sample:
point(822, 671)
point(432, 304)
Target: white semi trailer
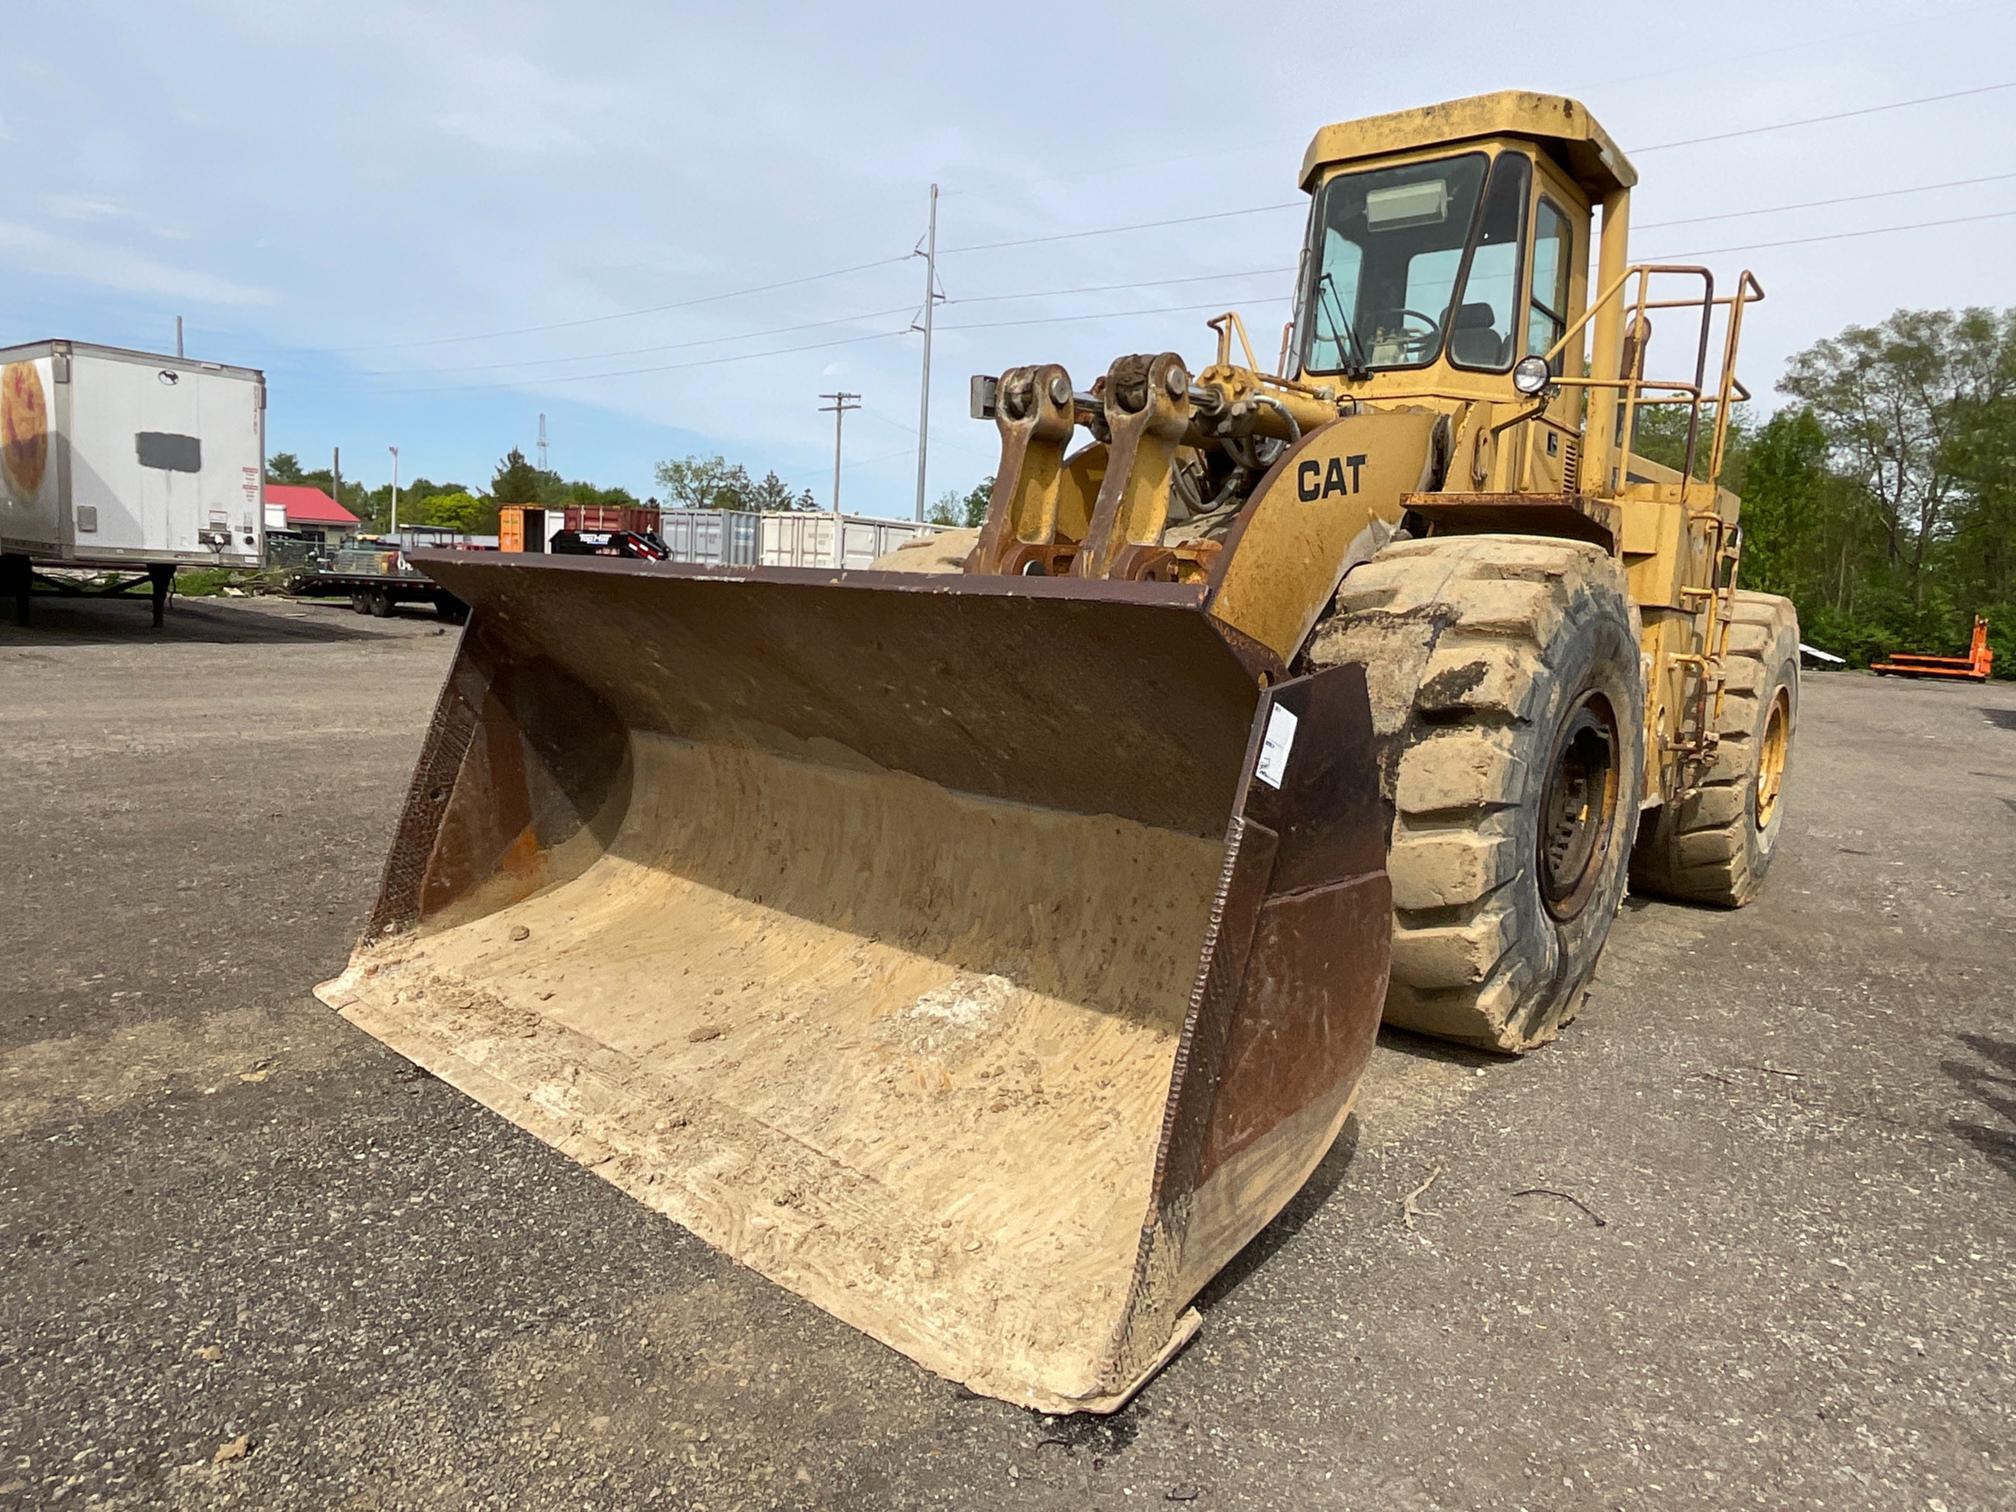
point(130, 461)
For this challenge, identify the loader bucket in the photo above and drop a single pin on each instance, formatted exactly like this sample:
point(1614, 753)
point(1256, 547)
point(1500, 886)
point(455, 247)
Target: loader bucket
point(930, 944)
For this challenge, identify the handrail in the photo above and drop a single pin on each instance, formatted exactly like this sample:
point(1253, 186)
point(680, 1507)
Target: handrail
point(1638, 390)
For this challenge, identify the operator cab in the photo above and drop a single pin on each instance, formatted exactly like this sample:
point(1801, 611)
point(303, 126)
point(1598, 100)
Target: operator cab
point(1447, 244)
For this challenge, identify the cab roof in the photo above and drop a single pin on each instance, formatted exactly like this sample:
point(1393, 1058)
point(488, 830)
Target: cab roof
point(1596, 163)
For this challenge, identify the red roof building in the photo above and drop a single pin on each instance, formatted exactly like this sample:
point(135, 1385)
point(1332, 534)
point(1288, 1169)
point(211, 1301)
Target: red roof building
point(309, 511)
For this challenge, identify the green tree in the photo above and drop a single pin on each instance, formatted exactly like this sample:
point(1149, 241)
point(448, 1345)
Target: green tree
point(456, 511)
point(970, 508)
point(705, 483)
point(283, 467)
point(772, 493)
point(1898, 402)
point(518, 481)
point(978, 497)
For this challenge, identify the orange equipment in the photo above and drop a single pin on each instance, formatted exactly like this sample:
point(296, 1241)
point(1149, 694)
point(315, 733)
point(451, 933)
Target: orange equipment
point(1973, 666)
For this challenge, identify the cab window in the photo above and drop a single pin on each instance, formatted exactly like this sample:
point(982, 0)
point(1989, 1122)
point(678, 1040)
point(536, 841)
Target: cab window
point(1485, 314)
point(1553, 249)
point(1389, 247)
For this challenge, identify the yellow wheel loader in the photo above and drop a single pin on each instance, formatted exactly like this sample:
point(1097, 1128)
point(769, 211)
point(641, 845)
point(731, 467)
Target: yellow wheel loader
point(987, 953)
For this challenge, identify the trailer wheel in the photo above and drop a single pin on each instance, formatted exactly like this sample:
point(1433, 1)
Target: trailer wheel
point(358, 603)
point(379, 601)
point(1508, 701)
point(1715, 843)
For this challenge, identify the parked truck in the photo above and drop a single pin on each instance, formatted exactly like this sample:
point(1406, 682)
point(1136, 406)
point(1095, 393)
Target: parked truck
point(131, 463)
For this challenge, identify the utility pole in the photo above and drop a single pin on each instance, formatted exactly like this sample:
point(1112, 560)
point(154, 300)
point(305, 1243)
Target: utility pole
point(542, 441)
point(178, 335)
point(931, 298)
point(842, 403)
point(336, 471)
point(395, 488)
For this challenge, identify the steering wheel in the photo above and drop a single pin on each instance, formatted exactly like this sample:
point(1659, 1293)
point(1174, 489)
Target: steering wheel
point(1418, 344)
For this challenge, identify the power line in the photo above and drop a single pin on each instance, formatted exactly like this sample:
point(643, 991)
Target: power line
point(1157, 283)
point(1839, 115)
point(681, 304)
point(670, 346)
point(814, 325)
point(1180, 220)
point(1845, 199)
point(1801, 241)
point(992, 325)
point(1185, 220)
point(668, 367)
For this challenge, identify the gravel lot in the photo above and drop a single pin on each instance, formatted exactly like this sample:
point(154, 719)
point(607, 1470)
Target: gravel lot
point(1742, 1238)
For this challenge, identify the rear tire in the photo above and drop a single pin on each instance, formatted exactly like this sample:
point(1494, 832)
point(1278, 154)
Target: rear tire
point(359, 604)
point(1508, 701)
point(379, 602)
point(1714, 844)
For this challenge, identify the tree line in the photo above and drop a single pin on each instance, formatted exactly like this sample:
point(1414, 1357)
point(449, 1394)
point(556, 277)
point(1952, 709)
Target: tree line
point(451, 505)
point(1882, 499)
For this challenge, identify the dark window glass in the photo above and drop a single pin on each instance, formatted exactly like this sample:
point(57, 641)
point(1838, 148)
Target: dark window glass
point(1486, 314)
point(1389, 244)
point(1553, 258)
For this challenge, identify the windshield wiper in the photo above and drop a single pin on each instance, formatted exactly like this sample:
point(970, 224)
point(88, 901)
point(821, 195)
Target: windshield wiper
point(1356, 367)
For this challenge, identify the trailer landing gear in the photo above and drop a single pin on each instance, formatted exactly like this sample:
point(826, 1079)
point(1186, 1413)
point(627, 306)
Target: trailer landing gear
point(19, 581)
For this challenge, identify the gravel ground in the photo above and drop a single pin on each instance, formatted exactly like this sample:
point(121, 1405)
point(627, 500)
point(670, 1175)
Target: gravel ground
point(1742, 1238)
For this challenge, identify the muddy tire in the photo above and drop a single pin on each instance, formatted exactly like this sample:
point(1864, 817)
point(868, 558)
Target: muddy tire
point(1508, 704)
point(1715, 844)
point(378, 603)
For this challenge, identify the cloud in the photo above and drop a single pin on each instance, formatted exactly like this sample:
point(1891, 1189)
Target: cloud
point(83, 207)
point(29, 250)
point(508, 128)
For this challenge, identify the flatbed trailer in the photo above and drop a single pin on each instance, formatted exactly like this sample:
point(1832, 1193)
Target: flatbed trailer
point(377, 582)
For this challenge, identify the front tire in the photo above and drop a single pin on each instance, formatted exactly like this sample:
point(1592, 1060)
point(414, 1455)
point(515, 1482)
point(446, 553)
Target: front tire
point(1508, 699)
point(1714, 843)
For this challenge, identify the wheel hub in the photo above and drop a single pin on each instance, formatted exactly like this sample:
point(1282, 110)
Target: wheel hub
point(1578, 806)
point(1771, 757)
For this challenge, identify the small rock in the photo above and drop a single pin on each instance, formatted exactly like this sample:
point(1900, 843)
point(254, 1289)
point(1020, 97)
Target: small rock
point(211, 1353)
point(253, 1076)
point(237, 1449)
point(704, 1032)
point(599, 1423)
point(520, 932)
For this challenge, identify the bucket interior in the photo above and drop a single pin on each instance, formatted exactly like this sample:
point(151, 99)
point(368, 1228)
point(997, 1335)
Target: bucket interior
point(904, 1048)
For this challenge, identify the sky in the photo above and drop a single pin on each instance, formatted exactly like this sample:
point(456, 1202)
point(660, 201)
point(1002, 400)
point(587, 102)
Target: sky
point(672, 228)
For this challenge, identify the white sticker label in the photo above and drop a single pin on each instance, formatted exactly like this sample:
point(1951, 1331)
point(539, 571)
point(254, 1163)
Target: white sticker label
point(1275, 746)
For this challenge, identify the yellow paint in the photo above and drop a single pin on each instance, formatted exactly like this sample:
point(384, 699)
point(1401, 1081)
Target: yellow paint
point(1280, 563)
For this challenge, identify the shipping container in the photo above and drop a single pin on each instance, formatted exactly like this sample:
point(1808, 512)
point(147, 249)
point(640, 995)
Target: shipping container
point(129, 459)
point(527, 527)
point(640, 518)
point(804, 539)
point(711, 537)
